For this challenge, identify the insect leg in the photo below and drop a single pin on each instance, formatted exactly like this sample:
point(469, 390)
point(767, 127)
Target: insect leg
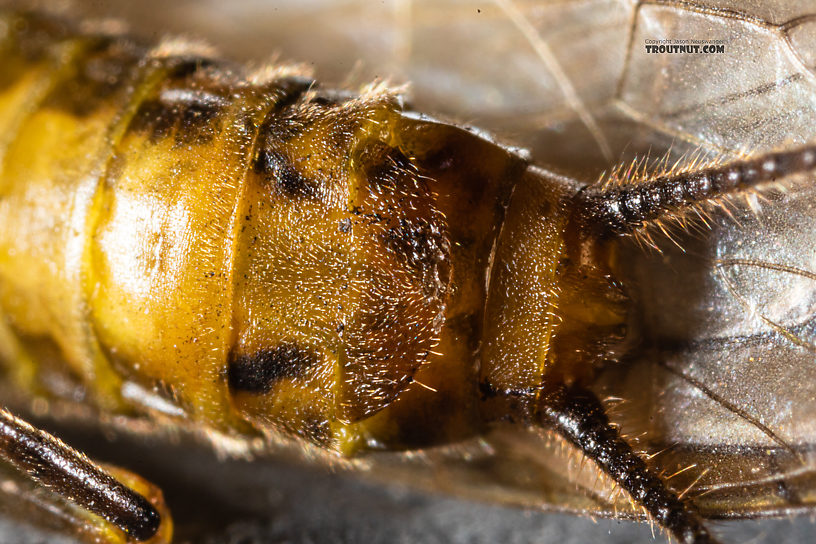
point(68, 473)
point(578, 416)
point(624, 209)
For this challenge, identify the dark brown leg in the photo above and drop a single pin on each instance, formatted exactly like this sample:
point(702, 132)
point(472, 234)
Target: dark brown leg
point(617, 210)
point(69, 474)
point(578, 416)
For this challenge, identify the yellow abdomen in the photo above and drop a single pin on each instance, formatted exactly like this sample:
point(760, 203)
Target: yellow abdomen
point(177, 237)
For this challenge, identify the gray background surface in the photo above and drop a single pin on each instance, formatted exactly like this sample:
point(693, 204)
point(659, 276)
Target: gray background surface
point(240, 502)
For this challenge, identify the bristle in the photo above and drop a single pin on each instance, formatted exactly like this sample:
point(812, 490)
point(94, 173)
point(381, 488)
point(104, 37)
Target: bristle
point(182, 47)
point(274, 70)
point(643, 168)
point(631, 199)
point(579, 417)
point(681, 471)
point(692, 484)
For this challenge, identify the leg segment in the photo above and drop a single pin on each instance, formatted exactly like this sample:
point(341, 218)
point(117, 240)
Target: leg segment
point(69, 474)
point(578, 416)
point(624, 209)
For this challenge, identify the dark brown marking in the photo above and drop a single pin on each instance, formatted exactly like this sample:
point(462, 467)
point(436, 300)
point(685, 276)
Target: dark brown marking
point(418, 242)
point(417, 237)
point(189, 104)
point(443, 159)
point(258, 372)
point(383, 165)
point(290, 90)
point(284, 121)
point(280, 125)
point(184, 68)
point(153, 118)
point(190, 121)
point(278, 170)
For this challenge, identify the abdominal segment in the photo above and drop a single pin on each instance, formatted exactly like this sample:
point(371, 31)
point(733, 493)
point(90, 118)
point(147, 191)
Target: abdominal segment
point(181, 238)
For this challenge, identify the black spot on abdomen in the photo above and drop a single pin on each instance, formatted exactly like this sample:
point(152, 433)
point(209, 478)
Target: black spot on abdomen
point(258, 372)
point(189, 122)
point(383, 165)
point(189, 105)
point(278, 170)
